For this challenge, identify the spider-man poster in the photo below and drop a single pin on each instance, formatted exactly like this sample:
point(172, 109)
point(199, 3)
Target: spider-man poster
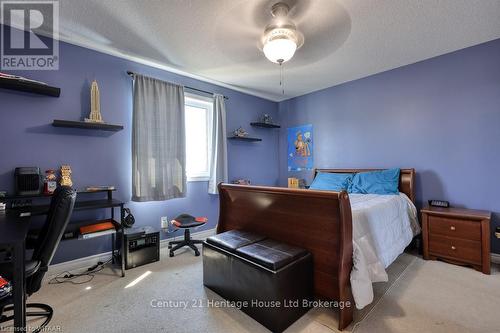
point(300, 148)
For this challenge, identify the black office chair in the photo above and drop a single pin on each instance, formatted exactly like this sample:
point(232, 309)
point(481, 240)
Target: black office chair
point(61, 207)
point(186, 222)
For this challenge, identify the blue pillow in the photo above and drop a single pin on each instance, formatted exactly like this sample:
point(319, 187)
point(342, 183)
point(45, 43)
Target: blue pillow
point(375, 182)
point(331, 181)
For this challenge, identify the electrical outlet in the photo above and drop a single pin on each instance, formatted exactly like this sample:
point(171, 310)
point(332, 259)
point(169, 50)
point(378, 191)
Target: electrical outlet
point(164, 222)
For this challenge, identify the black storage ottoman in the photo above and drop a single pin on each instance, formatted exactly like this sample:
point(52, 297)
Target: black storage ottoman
point(271, 281)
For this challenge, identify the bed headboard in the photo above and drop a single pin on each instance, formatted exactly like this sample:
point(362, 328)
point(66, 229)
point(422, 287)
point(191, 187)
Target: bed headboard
point(406, 179)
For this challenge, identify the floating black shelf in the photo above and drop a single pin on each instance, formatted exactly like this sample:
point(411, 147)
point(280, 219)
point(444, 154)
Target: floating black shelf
point(244, 138)
point(86, 125)
point(265, 125)
point(30, 87)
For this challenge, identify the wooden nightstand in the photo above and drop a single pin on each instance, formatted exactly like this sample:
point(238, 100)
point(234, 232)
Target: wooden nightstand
point(458, 236)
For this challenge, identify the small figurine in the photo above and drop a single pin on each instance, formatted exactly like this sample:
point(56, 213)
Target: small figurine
point(240, 132)
point(66, 176)
point(293, 182)
point(95, 105)
point(50, 182)
point(241, 181)
point(267, 119)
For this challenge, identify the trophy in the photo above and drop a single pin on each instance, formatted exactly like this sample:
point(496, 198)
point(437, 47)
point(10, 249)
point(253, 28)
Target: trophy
point(66, 176)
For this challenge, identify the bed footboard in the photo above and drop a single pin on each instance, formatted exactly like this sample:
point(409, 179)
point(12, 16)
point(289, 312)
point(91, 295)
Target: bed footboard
point(318, 221)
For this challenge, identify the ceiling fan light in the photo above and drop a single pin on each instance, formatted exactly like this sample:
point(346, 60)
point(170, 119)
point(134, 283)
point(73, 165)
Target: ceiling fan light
point(279, 50)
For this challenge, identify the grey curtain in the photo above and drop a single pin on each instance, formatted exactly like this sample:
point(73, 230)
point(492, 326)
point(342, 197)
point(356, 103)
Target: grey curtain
point(218, 160)
point(158, 140)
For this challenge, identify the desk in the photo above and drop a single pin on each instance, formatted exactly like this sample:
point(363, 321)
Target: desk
point(80, 205)
point(13, 232)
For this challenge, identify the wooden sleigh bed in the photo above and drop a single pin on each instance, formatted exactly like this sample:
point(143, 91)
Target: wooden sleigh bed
point(319, 221)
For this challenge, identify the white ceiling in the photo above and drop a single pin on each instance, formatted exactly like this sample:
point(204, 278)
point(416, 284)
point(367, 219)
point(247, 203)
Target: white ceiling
point(217, 39)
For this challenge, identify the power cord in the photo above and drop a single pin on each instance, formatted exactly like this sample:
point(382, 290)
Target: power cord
point(74, 278)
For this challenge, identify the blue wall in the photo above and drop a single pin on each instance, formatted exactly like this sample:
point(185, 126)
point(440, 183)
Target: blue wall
point(440, 116)
point(28, 139)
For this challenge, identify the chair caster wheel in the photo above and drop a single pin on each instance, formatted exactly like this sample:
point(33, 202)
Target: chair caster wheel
point(197, 253)
point(171, 253)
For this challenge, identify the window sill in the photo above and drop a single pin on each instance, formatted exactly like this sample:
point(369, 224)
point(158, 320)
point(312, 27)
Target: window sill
point(197, 179)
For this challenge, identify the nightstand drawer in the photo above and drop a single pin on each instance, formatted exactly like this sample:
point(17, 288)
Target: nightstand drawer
point(454, 248)
point(470, 230)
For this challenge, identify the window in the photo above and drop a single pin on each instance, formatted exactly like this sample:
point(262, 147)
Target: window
point(198, 133)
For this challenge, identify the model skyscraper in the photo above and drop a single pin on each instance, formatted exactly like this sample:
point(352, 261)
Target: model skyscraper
point(95, 104)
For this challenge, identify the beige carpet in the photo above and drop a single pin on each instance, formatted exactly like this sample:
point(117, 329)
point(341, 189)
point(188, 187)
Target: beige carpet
point(422, 296)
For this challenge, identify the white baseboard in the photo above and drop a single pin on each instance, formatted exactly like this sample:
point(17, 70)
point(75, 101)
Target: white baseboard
point(495, 258)
point(196, 235)
point(82, 263)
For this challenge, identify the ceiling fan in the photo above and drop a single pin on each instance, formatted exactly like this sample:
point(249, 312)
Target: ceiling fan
point(281, 38)
point(254, 35)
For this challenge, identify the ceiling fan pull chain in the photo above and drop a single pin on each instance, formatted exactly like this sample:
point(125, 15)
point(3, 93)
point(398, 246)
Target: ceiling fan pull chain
point(280, 74)
point(283, 79)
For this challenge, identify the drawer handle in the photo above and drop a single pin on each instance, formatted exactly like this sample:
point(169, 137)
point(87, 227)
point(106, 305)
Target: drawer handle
point(453, 248)
point(452, 228)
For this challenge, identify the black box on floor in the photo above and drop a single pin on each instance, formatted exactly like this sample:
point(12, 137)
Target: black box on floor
point(142, 246)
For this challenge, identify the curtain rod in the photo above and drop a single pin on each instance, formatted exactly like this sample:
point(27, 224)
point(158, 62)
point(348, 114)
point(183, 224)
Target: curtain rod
point(187, 87)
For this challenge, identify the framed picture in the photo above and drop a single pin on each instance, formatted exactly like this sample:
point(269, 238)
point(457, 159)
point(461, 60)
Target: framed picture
point(300, 148)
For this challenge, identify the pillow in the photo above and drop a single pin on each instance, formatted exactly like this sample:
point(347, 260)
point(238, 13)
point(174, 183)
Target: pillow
point(327, 181)
point(375, 182)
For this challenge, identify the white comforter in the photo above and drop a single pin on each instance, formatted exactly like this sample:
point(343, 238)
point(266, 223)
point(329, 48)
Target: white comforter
point(383, 226)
